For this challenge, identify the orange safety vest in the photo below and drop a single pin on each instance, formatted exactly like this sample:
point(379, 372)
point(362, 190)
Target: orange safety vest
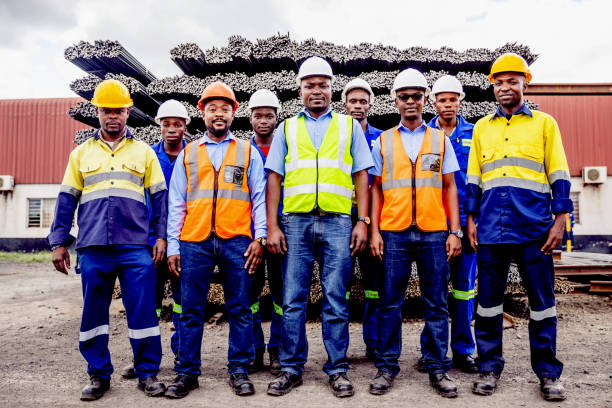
point(412, 191)
point(217, 201)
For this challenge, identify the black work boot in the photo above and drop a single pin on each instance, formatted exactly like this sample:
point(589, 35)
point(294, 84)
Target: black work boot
point(341, 386)
point(443, 384)
point(465, 363)
point(420, 365)
point(257, 364)
point(552, 389)
point(486, 384)
point(127, 372)
point(181, 386)
point(95, 389)
point(382, 383)
point(241, 385)
point(275, 365)
point(151, 386)
point(284, 383)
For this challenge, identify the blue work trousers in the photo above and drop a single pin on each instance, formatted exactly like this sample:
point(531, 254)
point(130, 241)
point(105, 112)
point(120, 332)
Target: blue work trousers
point(428, 249)
point(538, 277)
point(325, 238)
point(198, 260)
point(100, 267)
point(270, 267)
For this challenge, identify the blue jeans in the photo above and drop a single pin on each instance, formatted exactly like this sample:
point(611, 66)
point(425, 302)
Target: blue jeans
point(198, 260)
point(428, 249)
point(538, 276)
point(326, 239)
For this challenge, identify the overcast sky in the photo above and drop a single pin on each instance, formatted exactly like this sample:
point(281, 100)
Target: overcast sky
point(573, 38)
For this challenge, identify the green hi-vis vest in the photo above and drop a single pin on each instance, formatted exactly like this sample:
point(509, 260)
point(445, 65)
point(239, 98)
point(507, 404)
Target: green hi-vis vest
point(320, 179)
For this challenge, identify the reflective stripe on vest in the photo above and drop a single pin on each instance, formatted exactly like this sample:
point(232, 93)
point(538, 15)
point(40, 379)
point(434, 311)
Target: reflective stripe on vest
point(322, 178)
point(412, 191)
point(218, 202)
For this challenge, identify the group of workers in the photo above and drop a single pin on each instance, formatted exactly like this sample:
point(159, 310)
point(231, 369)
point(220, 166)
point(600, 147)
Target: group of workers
point(328, 187)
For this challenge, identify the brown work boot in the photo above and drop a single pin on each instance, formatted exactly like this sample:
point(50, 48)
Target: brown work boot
point(486, 384)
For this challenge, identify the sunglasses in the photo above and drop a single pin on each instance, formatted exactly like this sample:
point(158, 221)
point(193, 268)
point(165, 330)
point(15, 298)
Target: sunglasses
point(415, 97)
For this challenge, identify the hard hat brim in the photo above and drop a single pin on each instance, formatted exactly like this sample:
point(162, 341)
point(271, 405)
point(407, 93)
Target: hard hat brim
point(527, 75)
point(300, 79)
point(203, 102)
point(158, 119)
point(112, 105)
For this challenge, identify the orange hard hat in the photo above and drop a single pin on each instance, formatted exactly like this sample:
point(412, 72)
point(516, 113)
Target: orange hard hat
point(218, 90)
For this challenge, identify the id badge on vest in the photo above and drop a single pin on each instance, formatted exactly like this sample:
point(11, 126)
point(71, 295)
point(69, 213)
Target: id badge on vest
point(430, 162)
point(233, 174)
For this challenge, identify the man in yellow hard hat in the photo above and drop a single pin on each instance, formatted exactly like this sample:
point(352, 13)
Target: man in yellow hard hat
point(107, 177)
point(518, 185)
point(217, 193)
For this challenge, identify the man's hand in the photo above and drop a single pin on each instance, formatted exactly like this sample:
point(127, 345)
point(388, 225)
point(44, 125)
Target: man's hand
point(253, 255)
point(61, 259)
point(555, 234)
point(453, 247)
point(159, 250)
point(174, 265)
point(359, 238)
point(276, 242)
point(376, 244)
point(471, 232)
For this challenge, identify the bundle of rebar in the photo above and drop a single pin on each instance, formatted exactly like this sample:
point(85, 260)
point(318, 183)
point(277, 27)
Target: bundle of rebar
point(86, 113)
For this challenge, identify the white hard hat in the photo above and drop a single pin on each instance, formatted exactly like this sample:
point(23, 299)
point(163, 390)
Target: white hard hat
point(410, 78)
point(447, 83)
point(314, 66)
point(172, 109)
point(263, 98)
point(357, 83)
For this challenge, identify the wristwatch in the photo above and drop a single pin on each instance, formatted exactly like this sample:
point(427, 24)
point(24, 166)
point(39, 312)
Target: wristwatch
point(365, 220)
point(458, 233)
point(262, 241)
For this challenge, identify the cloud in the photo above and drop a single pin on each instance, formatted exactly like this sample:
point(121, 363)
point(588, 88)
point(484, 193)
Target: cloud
point(476, 17)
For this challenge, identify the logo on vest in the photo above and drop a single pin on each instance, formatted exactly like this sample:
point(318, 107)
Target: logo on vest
point(430, 162)
point(233, 174)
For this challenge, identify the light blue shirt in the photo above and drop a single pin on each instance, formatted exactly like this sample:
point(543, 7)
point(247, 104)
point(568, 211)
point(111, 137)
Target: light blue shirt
point(412, 141)
point(177, 196)
point(362, 159)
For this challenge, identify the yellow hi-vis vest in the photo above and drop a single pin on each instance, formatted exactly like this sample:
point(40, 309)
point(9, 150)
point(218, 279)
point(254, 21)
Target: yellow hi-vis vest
point(320, 179)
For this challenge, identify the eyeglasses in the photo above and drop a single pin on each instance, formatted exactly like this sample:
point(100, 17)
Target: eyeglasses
point(415, 97)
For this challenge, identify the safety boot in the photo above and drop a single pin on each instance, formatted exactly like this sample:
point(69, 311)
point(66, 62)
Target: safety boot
point(151, 386)
point(241, 385)
point(95, 389)
point(127, 372)
point(341, 386)
point(552, 389)
point(382, 383)
point(486, 383)
point(443, 384)
point(181, 386)
point(275, 365)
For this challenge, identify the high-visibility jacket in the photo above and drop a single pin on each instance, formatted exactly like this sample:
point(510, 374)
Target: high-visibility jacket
point(318, 179)
point(217, 201)
point(412, 191)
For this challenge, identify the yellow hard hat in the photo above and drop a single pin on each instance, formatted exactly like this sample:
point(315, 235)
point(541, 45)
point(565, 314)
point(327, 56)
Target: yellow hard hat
point(510, 62)
point(111, 93)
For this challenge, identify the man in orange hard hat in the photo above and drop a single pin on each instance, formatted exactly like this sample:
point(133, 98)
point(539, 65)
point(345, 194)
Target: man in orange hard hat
point(217, 192)
point(107, 177)
point(517, 179)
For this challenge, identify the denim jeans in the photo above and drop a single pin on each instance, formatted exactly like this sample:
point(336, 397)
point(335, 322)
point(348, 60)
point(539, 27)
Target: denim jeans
point(428, 249)
point(326, 239)
point(198, 260)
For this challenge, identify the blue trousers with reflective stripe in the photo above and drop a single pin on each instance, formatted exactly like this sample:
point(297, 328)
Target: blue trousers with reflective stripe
point(100, 267)
point(537, 274)
point(163, 274)
point(273, 264)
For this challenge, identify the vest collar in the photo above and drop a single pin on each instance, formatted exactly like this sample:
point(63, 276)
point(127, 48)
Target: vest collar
point(205, 139)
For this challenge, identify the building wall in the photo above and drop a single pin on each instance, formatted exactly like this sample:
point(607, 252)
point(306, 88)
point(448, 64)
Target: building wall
point(595, 209)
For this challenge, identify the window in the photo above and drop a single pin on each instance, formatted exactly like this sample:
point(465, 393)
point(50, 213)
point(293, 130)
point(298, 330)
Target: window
point(575, 197)
point(40, 212)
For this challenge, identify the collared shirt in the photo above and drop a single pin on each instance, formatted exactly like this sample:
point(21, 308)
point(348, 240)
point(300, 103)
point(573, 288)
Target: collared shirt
point(264, 158)
point(461, 139)
point(109, 187)
point(521, 159)
point(412, 140)
point(362, 159)
point(177, 204)
point(371, 134)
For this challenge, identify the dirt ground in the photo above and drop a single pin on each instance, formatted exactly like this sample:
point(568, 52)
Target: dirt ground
point(40, 364)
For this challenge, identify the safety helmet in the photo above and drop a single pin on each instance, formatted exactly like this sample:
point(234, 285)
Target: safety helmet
point(357, 83)
point(314, 66)
point(111, 93)
point(218, 90)
point(409, 78)
point(510, 62)
point(447, 83)
point(263, 98)
point(172, 109)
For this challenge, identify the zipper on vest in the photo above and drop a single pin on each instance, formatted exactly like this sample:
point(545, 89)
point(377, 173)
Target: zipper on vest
point(316, 206)
point(214, 209)
point(413, 192)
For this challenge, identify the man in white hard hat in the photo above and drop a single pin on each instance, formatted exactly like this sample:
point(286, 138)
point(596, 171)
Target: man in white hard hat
point(447, 94)
point(316, 154)
point(263, 109)
point(172, 117)
point(357, 97)
point(413, 195)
